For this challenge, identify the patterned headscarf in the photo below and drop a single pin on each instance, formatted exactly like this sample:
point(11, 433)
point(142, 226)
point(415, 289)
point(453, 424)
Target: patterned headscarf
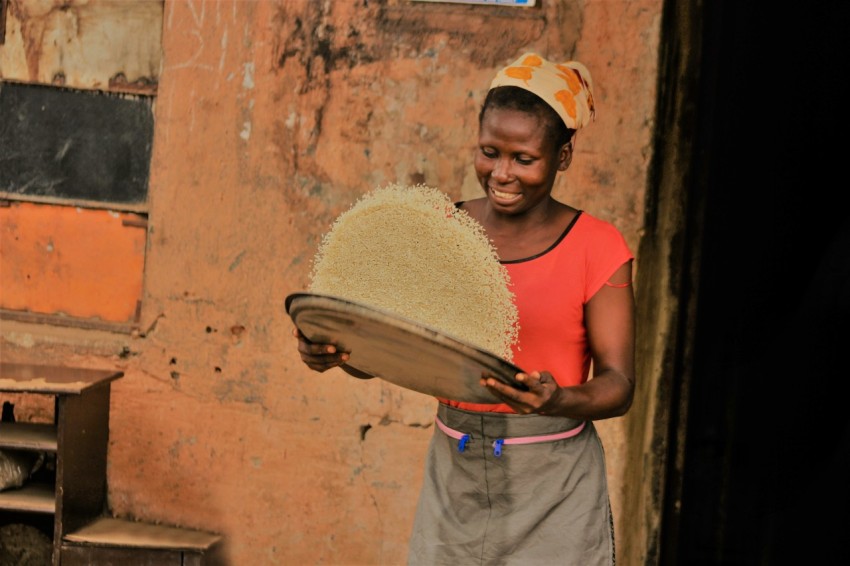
point(566, 87)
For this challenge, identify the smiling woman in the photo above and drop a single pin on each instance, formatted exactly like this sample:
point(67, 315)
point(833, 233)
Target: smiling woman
point(522, 480)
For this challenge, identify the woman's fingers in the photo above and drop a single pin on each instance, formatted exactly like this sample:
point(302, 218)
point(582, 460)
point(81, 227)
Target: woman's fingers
point(539, 390)
point(319, 357)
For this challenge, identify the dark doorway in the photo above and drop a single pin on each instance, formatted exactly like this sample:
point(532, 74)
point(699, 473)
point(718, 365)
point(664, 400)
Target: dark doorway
point(767, 456)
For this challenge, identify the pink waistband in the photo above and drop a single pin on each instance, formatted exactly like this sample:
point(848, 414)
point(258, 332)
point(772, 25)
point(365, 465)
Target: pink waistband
point(516, 440)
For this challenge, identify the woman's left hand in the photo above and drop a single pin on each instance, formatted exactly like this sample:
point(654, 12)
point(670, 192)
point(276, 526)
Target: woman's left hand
point(542, 394)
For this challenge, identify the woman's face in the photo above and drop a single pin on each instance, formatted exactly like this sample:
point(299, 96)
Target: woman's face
point(515, 162)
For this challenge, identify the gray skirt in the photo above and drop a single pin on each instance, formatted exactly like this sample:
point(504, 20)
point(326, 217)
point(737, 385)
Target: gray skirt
point(493, 495)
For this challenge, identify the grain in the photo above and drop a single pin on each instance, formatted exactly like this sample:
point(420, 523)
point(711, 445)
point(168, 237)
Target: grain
point(410, 251)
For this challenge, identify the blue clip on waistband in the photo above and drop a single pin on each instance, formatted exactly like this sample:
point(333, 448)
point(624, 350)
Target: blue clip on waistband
point(497, 447)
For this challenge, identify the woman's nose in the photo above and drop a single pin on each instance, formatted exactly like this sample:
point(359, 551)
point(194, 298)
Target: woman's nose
point(502, 170)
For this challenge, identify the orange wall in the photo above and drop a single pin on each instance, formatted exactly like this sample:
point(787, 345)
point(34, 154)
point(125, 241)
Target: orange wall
point(271, 118)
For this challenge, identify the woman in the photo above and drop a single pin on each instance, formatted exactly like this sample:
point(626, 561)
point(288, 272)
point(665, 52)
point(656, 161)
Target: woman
point(523, 481)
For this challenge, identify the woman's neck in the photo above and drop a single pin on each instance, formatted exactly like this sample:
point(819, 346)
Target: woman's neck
point(523, 235)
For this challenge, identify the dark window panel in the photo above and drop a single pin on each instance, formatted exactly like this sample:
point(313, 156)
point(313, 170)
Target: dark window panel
point(74, 144)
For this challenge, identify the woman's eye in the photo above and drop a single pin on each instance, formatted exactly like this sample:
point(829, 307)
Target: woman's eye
point(524, 160)
point(487, 152)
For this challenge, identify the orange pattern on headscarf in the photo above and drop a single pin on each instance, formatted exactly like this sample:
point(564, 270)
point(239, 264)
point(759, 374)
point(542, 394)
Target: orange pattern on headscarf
point(574, 104)
point(566, 98)
point(532, 60)
point(577, 83)
point(521, 73)
point(571, 77)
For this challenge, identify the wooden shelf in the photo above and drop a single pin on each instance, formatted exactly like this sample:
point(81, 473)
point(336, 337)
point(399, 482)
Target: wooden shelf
point(109, 531)
point(31, 498)
point(74, 493)
point(28, 436)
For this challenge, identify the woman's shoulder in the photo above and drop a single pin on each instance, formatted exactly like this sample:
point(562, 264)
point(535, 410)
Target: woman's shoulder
point(590, 223)
point(597, 231)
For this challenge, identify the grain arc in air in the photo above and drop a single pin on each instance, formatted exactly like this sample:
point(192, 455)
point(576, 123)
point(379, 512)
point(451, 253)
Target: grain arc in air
point(408, 250)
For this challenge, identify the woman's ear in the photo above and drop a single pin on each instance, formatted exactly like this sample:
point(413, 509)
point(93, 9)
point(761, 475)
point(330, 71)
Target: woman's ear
point(565, 156)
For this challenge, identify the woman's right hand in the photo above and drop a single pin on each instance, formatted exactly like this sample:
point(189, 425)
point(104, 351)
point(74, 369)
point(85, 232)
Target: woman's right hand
point(319, 357)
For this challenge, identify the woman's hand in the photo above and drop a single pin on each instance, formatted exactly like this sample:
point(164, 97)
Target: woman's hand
point(542, 395)
point(319, 357)
point(322, 357)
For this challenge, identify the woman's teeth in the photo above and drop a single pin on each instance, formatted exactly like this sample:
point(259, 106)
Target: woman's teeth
point(505, 196)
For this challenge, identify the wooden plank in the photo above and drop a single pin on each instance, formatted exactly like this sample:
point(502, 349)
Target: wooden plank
point(141, 208)
point(28, 436)
point(32, 498)
point(52, 380)
point(60, 319)
point(83, 436)
point(110, 531)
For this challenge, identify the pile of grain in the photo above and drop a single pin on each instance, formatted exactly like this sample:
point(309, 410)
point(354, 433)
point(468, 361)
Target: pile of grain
point(408, 250)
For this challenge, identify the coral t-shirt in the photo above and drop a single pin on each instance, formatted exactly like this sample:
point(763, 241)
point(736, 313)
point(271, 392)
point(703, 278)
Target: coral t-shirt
point(550, 291)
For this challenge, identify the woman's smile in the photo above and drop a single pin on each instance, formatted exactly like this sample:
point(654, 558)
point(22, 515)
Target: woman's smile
point(505, 198)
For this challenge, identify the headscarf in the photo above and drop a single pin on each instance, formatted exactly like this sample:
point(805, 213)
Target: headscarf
point(566, 87)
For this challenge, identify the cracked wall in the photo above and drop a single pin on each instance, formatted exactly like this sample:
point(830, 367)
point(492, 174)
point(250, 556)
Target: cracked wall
point(271, 118)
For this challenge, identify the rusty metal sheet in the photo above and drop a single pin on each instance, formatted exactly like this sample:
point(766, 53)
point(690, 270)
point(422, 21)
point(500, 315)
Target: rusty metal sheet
point(71, 261)
point(90, 44)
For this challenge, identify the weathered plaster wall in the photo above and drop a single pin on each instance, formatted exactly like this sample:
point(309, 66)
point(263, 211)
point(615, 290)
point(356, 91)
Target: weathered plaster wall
point(271, 119)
